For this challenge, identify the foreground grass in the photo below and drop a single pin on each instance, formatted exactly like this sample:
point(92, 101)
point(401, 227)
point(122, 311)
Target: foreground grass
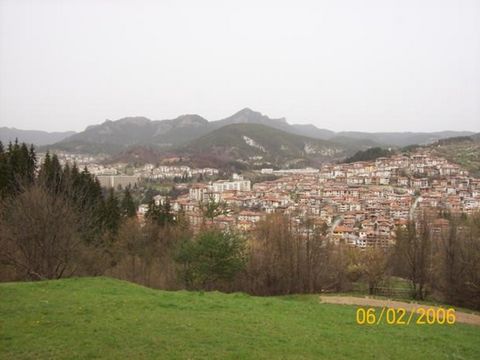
point(105, 318)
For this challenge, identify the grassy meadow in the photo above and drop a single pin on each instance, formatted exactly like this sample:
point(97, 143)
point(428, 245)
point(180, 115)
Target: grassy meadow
point(88, 318)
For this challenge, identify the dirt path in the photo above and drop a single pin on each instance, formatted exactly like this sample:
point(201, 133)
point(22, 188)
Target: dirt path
point(461, 317)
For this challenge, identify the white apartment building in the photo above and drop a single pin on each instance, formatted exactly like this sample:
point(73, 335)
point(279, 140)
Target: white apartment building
point(238, 185)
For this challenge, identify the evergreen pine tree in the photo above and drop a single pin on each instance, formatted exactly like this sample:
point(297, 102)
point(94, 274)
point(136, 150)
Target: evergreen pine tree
point(160, 214)
point(4, 171)
point(15, 168)
point(55, 175)
point(128, 205)
point(31, 164)
point(45, 168)
point(111, 213)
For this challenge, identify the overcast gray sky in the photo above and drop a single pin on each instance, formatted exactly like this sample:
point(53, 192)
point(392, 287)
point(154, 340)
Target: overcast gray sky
point(406, 65)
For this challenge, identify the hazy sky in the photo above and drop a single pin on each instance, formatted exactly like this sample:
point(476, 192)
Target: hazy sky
point(343, 65)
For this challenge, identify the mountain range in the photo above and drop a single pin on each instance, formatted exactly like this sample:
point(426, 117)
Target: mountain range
point(36, 137)
point(258, 145)
point(247, 136)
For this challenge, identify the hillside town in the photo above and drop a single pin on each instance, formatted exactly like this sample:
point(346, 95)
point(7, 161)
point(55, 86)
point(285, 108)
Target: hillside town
point(124, 174)
point(360, 204)
point(239, 179)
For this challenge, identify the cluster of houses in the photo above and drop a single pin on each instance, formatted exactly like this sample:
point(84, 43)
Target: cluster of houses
point(116, 174)
point(111, 176)
point(150, 171)
point(360, 203)
point(81, 160)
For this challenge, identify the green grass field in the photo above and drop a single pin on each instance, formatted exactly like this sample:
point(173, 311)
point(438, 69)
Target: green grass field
point(87, 318)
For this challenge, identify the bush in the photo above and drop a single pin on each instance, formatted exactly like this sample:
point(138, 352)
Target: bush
point(211, 258)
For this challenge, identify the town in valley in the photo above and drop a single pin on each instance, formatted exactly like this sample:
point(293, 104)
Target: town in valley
point(360, 204)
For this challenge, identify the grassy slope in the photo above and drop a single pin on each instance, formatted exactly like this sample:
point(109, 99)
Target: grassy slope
point(464, 153)
point(462, 150)
point(88, 318)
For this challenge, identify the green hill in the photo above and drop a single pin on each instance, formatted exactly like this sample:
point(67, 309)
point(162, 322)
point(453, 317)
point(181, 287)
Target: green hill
point(369, 154)
point(87, 318)
point(260, 144)
point(113, 137)
point(401, 139)
point(464, 151)
point(82, 147)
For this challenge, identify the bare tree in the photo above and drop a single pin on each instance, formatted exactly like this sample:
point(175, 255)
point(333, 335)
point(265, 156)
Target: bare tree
point(288, 259)
point(414, 254)
point(457, 265)
point(470, 259)
point(145, 254)
point(40, 234)
point(374, 266)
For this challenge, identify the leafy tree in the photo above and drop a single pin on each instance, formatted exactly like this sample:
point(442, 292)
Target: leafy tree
point(212, 209)
point(213, 256)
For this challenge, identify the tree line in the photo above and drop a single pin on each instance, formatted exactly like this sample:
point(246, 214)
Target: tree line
point(56, 221)
point(369, 155)
point(280, 257)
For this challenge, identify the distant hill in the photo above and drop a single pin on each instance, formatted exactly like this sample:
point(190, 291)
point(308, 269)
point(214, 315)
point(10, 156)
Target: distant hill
point(248, 116)
point(259, 145)
point(115, 136)
point(139, 154)
point(35, 137)
point(476, 137)
point(168, 134)
point(401, 139)
point(354, 144)
point(84, 147)
point(464, 151)
point(461, 150)
point(125, 138)
point(312, 131)
point(125, 132)
point(369, 154)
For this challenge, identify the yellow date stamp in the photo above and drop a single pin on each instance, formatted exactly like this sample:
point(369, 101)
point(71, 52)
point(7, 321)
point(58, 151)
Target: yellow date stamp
point(401, 316)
